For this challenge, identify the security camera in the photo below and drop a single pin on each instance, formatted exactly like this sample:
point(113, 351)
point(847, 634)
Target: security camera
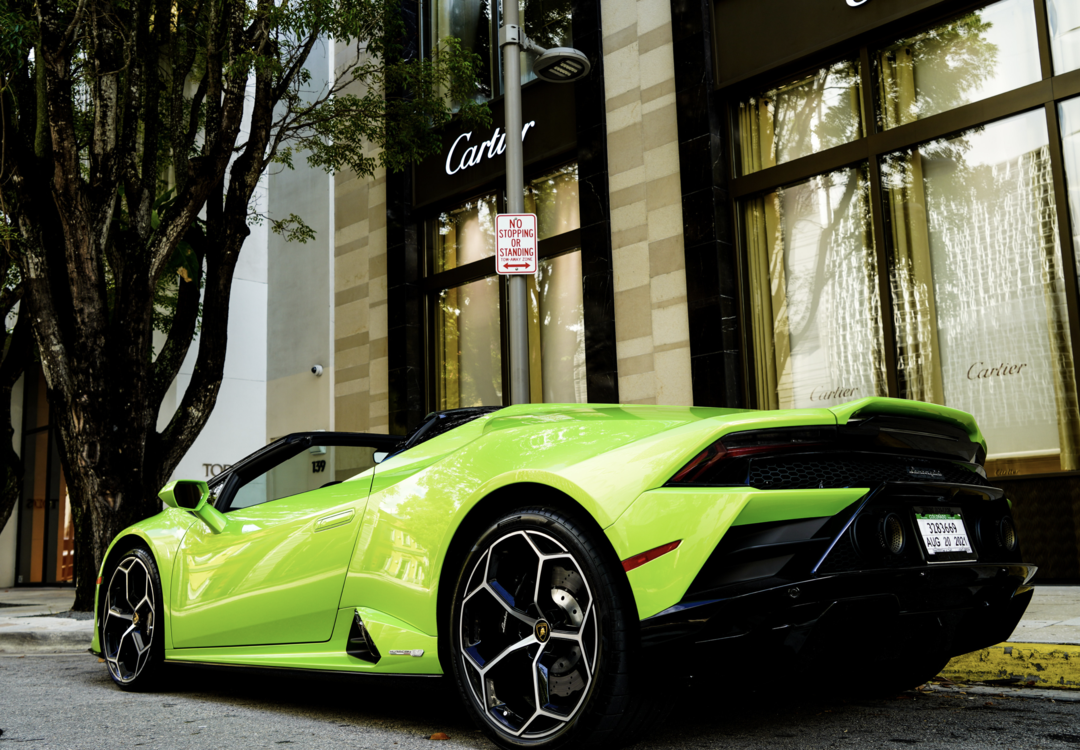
point(316, 370)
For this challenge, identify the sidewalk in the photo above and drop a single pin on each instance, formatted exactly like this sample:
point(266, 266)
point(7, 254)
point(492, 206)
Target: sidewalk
point(1043, 651)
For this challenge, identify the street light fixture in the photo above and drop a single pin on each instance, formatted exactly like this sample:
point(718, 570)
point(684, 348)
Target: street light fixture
point(558, 65)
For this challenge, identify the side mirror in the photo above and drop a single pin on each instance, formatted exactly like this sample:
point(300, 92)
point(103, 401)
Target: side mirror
point(380, 456)
point(191, 495)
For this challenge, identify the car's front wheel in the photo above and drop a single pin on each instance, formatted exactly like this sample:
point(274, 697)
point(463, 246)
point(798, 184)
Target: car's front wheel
point(543, 638)
point(132, 639)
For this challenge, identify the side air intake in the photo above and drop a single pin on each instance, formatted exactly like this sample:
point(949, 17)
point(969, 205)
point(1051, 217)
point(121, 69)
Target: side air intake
point(360, 644)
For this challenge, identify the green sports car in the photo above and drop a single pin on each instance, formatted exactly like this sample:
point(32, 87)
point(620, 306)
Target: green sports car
point(561, 562)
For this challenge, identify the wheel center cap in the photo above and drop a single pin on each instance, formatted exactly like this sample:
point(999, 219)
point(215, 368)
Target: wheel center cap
point(543, 631)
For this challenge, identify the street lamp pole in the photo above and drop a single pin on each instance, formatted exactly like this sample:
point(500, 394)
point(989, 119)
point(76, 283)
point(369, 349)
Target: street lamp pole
point(558, 65)
point(511, 38)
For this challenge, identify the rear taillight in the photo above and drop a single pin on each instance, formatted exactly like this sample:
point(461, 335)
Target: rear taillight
point(747, 445)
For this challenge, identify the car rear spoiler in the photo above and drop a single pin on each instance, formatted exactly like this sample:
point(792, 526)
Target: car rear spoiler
point(903, 407)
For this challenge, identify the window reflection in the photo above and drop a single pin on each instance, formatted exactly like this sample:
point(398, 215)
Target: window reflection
point(813, 286)
point(465, 234)
point(468, 342)
point(976, 56)
point(557, 331)
point(800, 118)
point(978, 292)
point(1064, 21)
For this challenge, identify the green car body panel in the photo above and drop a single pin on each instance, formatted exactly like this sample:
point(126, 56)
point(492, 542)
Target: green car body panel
point(274, 588)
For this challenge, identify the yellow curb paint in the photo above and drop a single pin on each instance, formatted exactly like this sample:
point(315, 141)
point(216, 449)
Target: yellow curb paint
point(1045, 664)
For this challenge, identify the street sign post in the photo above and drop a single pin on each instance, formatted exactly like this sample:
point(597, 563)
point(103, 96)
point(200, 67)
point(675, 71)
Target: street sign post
point(515, 244)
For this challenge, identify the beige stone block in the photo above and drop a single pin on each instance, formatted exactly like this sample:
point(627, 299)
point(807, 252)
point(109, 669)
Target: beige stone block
point(377, 195)
point(633, 317)
point(658, 37)
point(629, 237)
point(354, 357)
point(360, 372)
point(656, 66)
point(618, 102)
point(350, 233)
point(377, 324)
point(667, 255)
point(631, 266)
point(626, 179)
point(659, 127)
point(377, 217)
point(351, 270)
point(617, 14)
point(379, 348)
point(349, 209)
point(620, 39)
point(665, 191)
point(350, 342)
point(376, 263)
point(377, 290)
point(624, 149)
point(621, 70)
point(637, 387)
point(674, 384)
point(652, 15)
point(377, 237)
point(665, 222)
point(661, 161)
point(625, 117)
point(351, 318)
point(350, 294)
point(627, 196)
point(380, 407)
point(379, 376)
point(662, 90)
point(633, 347)
point(351, 413)
point(670, 325)
point(636, 365)
point(668, 287)
point(627, 216)
point(350, 387)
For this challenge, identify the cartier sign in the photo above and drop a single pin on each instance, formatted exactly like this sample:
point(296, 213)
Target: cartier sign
point(462, 155)
point(474, 160)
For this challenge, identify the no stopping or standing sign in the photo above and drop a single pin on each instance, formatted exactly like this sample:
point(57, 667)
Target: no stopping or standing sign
point(515, 243)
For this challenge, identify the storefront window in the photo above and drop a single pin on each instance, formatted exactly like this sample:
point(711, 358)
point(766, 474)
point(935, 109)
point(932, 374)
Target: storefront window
point(476, 23)
point(978, 290)
point(973, 57)
point(1069, 114)
point(1064, 19)
point(468, 334)
point(800, 118)
point(468, 341)
point(465, 235)
point(813, 286)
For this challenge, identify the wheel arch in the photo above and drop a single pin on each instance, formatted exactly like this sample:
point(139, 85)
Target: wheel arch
point(501, 501)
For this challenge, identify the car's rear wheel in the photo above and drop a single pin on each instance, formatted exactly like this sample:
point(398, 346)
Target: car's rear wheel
point(543, 636)
point(132, 639)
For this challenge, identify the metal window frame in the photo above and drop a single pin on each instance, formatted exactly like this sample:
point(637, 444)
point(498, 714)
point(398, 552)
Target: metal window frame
point(1045, 94)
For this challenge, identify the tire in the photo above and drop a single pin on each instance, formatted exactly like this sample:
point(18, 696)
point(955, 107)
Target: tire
point(543, 636)
point(132, 633)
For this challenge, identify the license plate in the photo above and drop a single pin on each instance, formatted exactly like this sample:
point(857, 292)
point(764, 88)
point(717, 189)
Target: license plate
point(943, 532)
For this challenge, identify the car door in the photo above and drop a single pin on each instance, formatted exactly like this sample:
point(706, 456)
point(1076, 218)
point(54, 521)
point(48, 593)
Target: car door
point(274, 574)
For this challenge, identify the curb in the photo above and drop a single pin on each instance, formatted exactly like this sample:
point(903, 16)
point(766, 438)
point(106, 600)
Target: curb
point(1034, 664)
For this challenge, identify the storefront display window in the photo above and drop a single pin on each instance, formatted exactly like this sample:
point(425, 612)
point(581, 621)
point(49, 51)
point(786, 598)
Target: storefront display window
point(1064, 21)
point(971, 58)
point(476, 23)
point(813, 293)
point(468, 341)
point(978, 289)
point(1069, 114)
point(800, 118)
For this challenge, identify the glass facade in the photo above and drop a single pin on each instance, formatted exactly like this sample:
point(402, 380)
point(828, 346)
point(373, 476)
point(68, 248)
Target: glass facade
point(939, 271)
point(476, 23)
point(467, 317)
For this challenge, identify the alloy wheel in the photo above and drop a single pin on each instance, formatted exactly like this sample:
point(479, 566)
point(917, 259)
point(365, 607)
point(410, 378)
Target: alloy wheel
point(528, 634)
point(128, 626)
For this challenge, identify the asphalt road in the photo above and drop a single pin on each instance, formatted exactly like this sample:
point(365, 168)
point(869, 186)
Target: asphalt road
point(69, 702)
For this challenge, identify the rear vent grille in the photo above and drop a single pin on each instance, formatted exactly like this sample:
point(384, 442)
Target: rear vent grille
point(808, 472)
point(360, 644)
